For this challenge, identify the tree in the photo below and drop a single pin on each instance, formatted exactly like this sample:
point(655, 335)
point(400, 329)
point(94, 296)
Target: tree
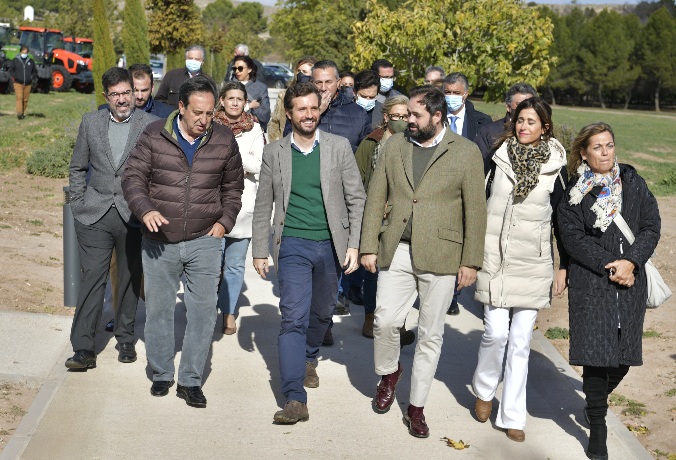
point(658, 52)
point(135, 33)
point(496, 43)
point(173, 25)
point(103, 48)
point(218, 13)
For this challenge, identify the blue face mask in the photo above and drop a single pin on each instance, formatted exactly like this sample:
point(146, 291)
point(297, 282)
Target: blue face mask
point(23, 55)
point(366, 104)
point(386, 84)
point(193, 65)
point(454, 102)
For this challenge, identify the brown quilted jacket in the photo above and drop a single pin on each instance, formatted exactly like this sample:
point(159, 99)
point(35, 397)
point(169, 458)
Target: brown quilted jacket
point(157, 178)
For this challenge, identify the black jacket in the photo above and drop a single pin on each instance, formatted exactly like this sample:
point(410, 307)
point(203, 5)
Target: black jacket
point(172, 81)
point(23, 70)
point(487, 137)
point(474, 120)
point(596, 305)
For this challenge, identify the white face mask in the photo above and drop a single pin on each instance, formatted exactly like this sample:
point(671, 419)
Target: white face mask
point(366, 104)
point(193, 65)
point(454, 102)
point(386, 84)
point(24, 55)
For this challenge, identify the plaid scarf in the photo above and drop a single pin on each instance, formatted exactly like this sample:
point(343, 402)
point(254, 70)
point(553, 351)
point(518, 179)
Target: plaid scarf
point(245, 122)
point(609, 202)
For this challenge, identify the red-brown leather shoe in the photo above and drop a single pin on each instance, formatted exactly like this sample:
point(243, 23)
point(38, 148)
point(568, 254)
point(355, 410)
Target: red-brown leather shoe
point(385, 391)
point(415, 420)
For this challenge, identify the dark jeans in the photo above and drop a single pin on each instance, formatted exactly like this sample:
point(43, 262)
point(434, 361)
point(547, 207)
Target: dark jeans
point(96, 244)
point(370, 288)
point(308, 285)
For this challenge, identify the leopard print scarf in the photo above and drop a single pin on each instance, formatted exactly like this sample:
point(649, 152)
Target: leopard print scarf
point(527, 161)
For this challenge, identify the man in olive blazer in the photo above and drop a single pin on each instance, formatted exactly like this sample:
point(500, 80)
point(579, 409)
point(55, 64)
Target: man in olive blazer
point(424, 224)
point(313, 181)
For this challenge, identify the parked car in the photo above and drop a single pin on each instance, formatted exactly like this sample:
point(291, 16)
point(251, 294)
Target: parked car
point(157, 67)
point(279, 68)
point(274, 78)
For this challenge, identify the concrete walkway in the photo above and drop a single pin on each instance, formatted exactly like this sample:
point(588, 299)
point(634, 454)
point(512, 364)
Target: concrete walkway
point(108, 412)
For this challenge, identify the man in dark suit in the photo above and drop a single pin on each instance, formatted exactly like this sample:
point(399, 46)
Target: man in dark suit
point(172, 81)
point(103, 222)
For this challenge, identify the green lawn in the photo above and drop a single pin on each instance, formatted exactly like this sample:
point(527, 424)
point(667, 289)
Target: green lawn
point(646, 140)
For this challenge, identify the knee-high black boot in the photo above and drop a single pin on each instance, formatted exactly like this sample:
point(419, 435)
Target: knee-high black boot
point(595, 387)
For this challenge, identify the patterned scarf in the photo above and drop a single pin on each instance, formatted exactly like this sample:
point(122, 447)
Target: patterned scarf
point(609, 202)
point(245, 122)
point(527, 161)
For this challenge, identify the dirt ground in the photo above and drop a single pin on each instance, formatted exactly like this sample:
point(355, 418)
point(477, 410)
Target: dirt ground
point(31, 263)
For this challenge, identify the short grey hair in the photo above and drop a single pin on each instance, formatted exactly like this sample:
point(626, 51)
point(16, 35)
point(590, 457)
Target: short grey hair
point(457, 77)
point(243, 48)
point(435, 68)
point(198, 48)
point(519, 88)
point(326, 64)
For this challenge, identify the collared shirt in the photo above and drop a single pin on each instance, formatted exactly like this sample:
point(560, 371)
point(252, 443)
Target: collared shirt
point(460, 121)
point(314, 144)
point(126, 120)
point(435, 142)
point(183, 134)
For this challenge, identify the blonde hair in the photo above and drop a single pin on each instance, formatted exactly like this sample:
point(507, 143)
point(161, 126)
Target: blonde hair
point(581, 142)
point(390, 102)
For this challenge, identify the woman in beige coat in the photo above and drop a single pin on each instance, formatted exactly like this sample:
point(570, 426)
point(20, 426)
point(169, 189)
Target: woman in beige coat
point(526, 182)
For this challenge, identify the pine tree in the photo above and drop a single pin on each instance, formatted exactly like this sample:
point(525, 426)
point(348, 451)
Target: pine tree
point(103, 48)
point(135, 33)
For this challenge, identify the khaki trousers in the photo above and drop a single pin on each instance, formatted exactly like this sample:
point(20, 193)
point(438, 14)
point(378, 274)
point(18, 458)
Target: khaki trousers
point(398, 286)
point(22, 93)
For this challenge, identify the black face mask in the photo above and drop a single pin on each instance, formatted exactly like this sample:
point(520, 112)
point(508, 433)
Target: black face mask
point(302, 78)
point(349, 91)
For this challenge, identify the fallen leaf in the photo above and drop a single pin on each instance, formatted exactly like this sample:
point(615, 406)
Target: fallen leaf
point(457, 445)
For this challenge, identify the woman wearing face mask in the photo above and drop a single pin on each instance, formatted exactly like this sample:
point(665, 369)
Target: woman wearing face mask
point(346, 84)
point(395, 120)
point(608, 290)
point(258, 101)
point(517, 272)
point(250, 140)
point(278, 119)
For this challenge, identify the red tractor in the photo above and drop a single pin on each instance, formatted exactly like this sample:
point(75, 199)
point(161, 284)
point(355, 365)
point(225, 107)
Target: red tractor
point(81, 46)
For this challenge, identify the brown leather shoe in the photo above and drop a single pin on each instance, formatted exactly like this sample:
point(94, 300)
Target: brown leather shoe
point(367, 329)
point(483, 409)
point(385, 391)
point(516, 435)
point(311, 377)
point(415, 420)
point(294, 411)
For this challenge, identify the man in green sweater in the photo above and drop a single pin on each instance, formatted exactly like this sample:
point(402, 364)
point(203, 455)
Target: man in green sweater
point(313, 181)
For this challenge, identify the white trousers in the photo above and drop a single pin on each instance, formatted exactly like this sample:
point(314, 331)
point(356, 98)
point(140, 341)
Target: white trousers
point(497, 334)
point(397, 287)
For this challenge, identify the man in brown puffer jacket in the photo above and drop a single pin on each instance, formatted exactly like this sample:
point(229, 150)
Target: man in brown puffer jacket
point(184, 180)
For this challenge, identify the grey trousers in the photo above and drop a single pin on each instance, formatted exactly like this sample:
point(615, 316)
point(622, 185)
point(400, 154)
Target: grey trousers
point(163, 264)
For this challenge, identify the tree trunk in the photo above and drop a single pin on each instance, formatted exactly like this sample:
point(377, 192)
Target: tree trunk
point(603, 104)
point(657, 96)
point(551, 94)
point(627, 98)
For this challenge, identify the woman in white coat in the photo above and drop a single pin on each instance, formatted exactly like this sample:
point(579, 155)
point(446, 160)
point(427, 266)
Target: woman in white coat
point(250, 140)
point(525, 183)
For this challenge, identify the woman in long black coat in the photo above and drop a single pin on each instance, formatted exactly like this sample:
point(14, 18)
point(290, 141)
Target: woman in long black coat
point(607, 282)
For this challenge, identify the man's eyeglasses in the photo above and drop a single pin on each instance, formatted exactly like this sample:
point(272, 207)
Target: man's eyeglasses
point(117, 95)
point(240, 69)
point(397, 117)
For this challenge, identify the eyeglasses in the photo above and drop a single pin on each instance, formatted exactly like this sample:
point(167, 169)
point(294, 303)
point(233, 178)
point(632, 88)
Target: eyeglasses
point(240, 69)
point(117, 95)
point(397, 117)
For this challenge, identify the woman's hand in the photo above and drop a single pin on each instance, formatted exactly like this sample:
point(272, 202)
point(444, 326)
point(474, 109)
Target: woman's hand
point(254, 104)
point(560, 281)
point(621, 272)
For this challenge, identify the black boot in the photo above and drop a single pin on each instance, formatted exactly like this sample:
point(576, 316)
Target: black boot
point(595, 387)
point(615, 376)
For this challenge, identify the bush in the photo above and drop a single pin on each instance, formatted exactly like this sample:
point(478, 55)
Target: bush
point(554, 333)
point(566, 135)
point(53, 160)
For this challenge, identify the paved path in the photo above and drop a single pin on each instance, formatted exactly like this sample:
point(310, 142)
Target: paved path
point(108, 413)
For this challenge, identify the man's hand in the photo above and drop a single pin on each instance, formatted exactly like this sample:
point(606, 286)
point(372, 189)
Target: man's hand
point(261, 266)
point(254, 104)
point(560, 281)
point(466, 277)
point(369, 261)
point(217, 230)
point(621, 272)
point(351, 260)
point(325, 102)
point(153, 220)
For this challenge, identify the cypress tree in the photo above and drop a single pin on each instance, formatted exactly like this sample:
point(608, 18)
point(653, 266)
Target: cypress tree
point(135, 33)
point(103, 49)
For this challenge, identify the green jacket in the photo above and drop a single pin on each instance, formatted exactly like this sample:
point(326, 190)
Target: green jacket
point(448, 208)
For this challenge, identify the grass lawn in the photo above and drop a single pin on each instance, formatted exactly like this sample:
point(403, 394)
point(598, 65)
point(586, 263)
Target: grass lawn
point(646, 140)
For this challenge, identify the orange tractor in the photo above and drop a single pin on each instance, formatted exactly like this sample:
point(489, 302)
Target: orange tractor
point(84, 47)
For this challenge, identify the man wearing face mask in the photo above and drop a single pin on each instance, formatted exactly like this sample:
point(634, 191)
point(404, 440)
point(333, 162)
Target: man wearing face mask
point(22, 69)
point(385, 71)
point(172, 81)
point(366, 85)
point(464, 120)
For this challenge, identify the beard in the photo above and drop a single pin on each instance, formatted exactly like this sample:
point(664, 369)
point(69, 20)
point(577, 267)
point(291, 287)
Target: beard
point(122, 112)
point(301, 129)
point(423, 134)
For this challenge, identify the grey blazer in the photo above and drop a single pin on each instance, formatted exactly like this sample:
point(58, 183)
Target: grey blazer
point(92, 197)
point(342, 191)
point(258, 91)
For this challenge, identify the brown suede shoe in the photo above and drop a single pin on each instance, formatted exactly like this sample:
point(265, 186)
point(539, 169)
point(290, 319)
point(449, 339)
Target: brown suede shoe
point(516, 435)
point(483, 409)
point(385, 391)
point(415, 420)
point(294, 411)
point(311, 377)
point(367, 329)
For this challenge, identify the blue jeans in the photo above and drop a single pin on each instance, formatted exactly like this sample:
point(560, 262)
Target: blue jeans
point(370, 288)
point(308, 285)
point(233, 260)
point(163, 264)
point(356, 278)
